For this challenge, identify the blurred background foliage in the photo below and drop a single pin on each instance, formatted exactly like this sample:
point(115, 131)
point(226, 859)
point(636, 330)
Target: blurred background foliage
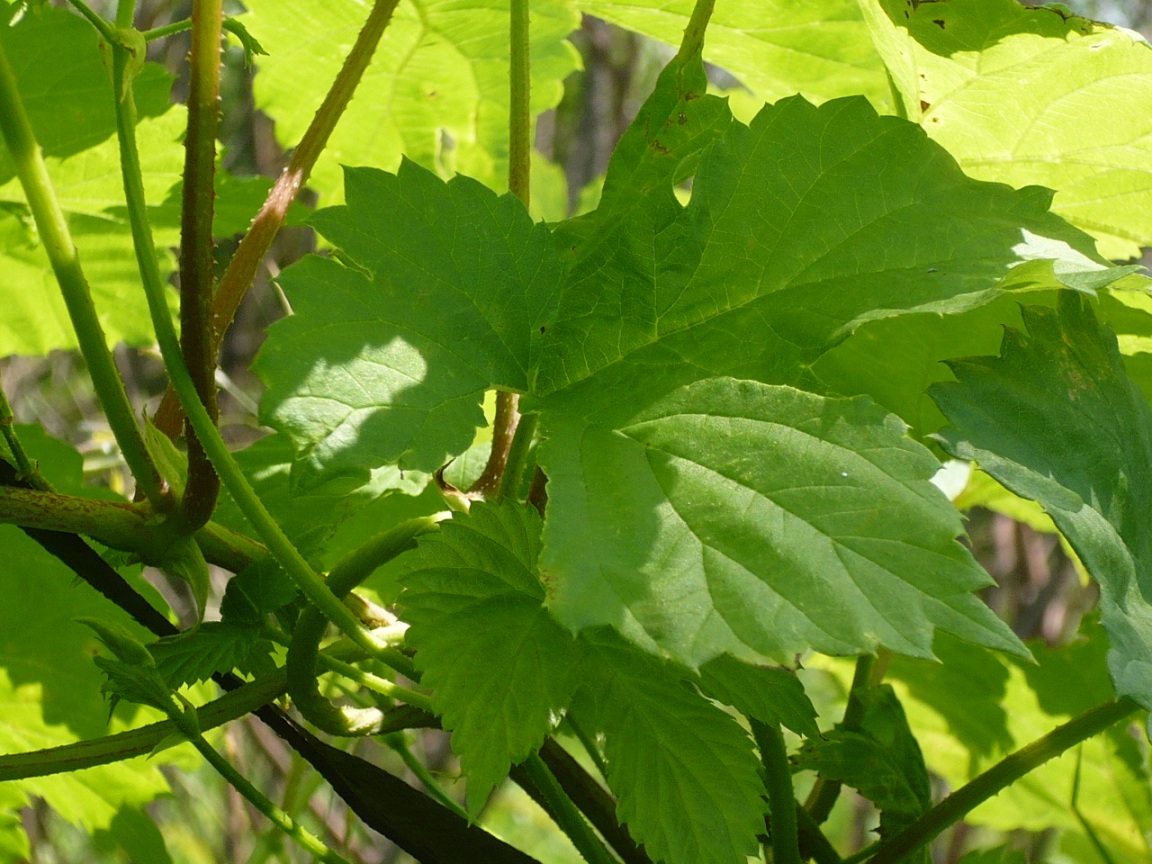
point(1038, 590)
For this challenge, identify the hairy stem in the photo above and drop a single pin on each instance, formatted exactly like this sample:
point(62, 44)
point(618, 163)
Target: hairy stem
point(781, 797)
point(65, 260)
point(196, 246)
point(250, 254)
point(1000, 776)
point(142, 741)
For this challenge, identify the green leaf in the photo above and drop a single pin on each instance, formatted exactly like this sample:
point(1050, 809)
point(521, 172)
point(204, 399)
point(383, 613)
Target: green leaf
point(684, 773)
point(387, 361)
point(65, 88)
point(440, 75)
point(1032, 96)
point(680, 531)
point(500, 668)
point(818, 48)
point(51, 696)
point(765, 693)
point(255, 592)
point(88, 184)
point(202, 651)
point(980, 706)
point(68, 95)
point(1089, 470)
point(800, 228)
point(331, 520)
point(134, 831)
point(881, 760)
point(140, 685)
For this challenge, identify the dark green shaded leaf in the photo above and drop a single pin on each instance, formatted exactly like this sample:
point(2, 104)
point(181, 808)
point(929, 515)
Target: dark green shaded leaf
point(766, 693)
point(881, 760)
point(1090, 470)
point(214, 646)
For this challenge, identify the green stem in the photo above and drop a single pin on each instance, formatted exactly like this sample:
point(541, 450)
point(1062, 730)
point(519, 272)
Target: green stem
point(26, 470)
point(242, 492)
point(142, 741)
point(825, 793)
point(398, 742)
point(254, 247)
point(57, 241)
point(520, 115)
point(1000, 776)
point(813, 843)
point(309, 630)
point(693, 41)
point(196, 246)
point(781, 796)
point(589, 745)
point(125, 12)
point(303, 837)
point(517, 459)
point(167, 30)
point(564, 812)
point(375, 683)
point(103, 27)
point(491, 484)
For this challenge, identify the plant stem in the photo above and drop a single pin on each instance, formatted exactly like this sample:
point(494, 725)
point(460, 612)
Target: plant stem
point(824, 793)
point(142, 741)
point(125, 12)
point(57, 240)
point(256, 243)
point(26, 470)
point(520, 113)
point(693, 41)
point(593, 800)
point(103, 27)
point(309, 630)
point(304, 838)
point(507, 418)
point(813, 843)
point(564, 812)
point(398, 742)
point(781, 796)
point(196, 246)
point(517, 459)
point(1001, 775)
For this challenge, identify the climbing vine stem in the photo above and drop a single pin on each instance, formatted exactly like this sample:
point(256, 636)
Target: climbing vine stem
point(196, 245)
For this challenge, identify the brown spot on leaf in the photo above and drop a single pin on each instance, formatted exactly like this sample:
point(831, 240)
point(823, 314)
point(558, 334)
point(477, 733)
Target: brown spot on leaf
point(659, 148)
point(939, 22)
point(681, 119)
point(924, 106)
point(688, 97)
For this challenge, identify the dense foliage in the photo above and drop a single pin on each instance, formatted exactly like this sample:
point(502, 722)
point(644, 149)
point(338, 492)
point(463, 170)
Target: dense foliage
point(612, 498)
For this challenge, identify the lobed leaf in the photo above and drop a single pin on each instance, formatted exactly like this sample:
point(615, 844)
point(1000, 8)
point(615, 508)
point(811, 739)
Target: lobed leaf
point(766, 693)
point(684, 773)
point(500, 668)
point(386, 361)
point(881, 760)
point(1032, 96)
point(1089, 470)
point(818, 48)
